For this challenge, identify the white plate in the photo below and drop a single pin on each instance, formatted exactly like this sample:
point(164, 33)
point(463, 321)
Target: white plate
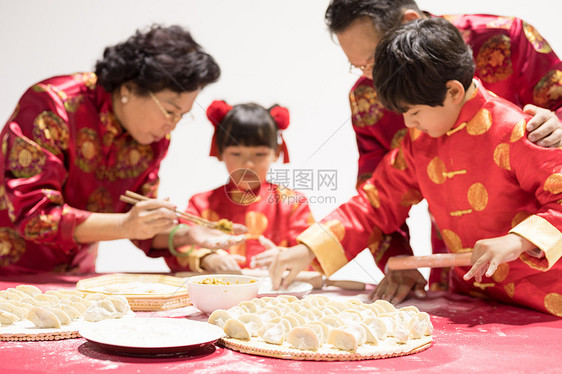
point(298, 289)
point(152, 335)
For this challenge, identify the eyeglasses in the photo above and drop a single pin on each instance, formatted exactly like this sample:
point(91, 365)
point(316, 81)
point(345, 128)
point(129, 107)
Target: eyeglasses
point(172, 117)
point(361, 68)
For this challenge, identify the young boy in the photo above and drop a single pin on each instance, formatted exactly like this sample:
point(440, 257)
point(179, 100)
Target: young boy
point(466, 153)
point(512, 59)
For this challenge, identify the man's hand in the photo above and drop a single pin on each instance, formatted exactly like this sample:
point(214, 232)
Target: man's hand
point(397, 284)
point(545, 129)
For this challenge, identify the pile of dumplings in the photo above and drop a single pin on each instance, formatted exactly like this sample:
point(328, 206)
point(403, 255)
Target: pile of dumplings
point(316, 320)
point(53, 309)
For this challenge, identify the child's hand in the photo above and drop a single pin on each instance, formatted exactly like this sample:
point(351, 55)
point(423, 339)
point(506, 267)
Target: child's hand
point(265, 258)
point(294, 260)
point(211, 238)
point(397, 284)
point(216, 263)
point(488, 254)
point(545, 128)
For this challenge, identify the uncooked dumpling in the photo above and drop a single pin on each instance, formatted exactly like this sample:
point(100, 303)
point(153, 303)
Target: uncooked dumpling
point(17, 310)
point(100, 310)
point(303, 338)
point(273, 333)
point(236, 329)
point(43, 318)
point(252, 321)
point(219, 318)
point(7, 318)
point(29, 289)
point(343, 339)
point(120, 304)
point(61, 315)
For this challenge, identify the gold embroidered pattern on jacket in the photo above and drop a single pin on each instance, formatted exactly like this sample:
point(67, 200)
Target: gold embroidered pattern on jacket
point(477, 196)
point(480, 123)
point(452, 240)
point(493, 62)
point(456, 129)
point(366, 108)
point(501, 272)
point(553, 303)
point(51, 132)
point(256, 222)
point(336, 227)
point(553, 184)
point(548, 91)
point(451, 174)
point(501, 156)
point(518, 131)
point(539, 44)
point(458, 213)
point(509, 289)
point(372, 195)
point(12, 246)
point(483, 286)
point(26, 158)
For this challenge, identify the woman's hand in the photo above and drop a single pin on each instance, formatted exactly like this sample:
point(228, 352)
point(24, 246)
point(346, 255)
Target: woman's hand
point(215, 263)
point(148, 218)
point(265, 258)
point(397, 284)
point(294, 259)
point(544, 128)
point(488, 254)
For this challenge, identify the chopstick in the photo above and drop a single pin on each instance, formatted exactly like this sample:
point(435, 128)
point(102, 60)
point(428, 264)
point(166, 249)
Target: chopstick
point(133, 198)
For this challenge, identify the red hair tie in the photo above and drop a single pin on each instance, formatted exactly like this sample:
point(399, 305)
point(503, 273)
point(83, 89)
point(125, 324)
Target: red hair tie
point(216, 113)
point(281, 117)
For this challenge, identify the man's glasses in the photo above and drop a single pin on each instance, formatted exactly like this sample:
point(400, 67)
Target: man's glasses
point(172, 117)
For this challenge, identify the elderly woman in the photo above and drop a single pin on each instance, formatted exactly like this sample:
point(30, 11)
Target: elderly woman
point(75, 143)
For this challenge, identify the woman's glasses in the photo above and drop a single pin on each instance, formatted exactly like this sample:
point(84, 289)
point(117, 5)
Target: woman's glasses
point(172, 117)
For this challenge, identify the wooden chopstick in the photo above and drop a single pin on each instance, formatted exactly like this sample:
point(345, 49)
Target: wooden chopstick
point(133, 198)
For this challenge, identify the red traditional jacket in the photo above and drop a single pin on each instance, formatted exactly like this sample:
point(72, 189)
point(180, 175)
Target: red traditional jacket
point(481, 180)
point(278, 213)
point(63, 156)
point(512, 60)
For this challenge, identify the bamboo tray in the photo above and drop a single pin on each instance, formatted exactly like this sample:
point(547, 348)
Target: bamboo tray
point(387, 348)
point(175, 296)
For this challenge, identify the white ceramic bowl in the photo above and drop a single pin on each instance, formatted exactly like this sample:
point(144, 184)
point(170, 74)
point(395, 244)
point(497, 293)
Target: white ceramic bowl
point(210, 297)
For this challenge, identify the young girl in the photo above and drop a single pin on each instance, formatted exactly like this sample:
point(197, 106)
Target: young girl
point(248, 140)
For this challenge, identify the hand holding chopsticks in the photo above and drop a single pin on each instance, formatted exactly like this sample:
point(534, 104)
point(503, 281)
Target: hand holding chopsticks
point(222, 225)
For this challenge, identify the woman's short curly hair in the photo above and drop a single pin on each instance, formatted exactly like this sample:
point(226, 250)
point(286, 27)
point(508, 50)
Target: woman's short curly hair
point(159, 58)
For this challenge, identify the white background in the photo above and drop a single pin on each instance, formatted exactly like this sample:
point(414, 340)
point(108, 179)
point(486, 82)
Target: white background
point(270, 51)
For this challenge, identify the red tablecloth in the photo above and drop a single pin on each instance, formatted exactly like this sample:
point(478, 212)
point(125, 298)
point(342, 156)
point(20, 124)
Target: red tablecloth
point(470, 336)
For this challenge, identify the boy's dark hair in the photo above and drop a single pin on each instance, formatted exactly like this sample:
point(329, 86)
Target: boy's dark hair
point(160, 58)
point(247, 125)
point(385, 14)
point(414, 62)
